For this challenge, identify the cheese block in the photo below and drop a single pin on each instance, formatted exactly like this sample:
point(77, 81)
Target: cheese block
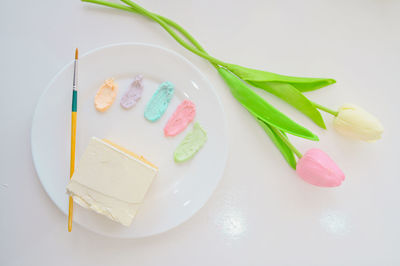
point(111, 180)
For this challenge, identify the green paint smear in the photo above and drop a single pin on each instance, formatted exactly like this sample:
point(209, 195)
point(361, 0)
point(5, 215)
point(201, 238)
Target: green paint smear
point(191, 144)
point(158, 103)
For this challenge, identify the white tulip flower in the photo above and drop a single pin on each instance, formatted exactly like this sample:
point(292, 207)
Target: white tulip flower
point(353, 121)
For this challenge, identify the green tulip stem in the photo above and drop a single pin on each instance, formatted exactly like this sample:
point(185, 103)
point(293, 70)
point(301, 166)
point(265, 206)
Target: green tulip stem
point(325, 109)
point(183, 31)
point(110, 4)
point(164, 22)
point(287, 142)
point(186, 34)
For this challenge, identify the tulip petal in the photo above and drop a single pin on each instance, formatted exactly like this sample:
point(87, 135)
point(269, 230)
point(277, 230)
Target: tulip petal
point(261, 109)
point(300, 83)
point(355, 122)
point(317, 168)
point(283, 148)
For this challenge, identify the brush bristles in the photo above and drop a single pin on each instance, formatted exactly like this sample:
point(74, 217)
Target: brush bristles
point(76, 54)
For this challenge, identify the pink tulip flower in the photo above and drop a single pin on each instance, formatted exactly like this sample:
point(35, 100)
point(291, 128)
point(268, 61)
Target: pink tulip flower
point(317, 168)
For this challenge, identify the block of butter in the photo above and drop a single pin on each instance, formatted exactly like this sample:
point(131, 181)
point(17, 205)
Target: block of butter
point(111, 180)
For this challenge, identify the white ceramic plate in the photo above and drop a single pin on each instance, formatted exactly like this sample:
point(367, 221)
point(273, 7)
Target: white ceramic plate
point(179, 190)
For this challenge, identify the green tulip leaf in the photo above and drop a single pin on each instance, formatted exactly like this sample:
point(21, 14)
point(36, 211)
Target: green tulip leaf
point(283, 148)
point(302, 84)
point(261, 109)
point(293, 97)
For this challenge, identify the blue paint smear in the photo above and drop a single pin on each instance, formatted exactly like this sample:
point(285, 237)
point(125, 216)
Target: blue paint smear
point(158, 103)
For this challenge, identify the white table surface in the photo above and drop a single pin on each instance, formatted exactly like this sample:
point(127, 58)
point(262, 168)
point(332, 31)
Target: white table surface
point(261, 213)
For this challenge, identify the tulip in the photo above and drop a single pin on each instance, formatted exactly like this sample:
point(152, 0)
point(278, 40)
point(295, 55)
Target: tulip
point(355, 122)
point(317, 168)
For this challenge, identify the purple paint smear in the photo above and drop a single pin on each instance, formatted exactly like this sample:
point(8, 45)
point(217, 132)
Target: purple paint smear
point(133, 93)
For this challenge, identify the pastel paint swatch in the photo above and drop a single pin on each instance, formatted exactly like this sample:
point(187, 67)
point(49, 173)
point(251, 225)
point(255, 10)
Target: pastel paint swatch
point(180, 119)
point(133, 93)
point(106, 94)
point(191, 144)
point(159, 102)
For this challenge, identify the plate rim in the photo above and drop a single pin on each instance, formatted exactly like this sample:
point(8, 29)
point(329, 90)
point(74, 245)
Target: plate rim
point(144, 44)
